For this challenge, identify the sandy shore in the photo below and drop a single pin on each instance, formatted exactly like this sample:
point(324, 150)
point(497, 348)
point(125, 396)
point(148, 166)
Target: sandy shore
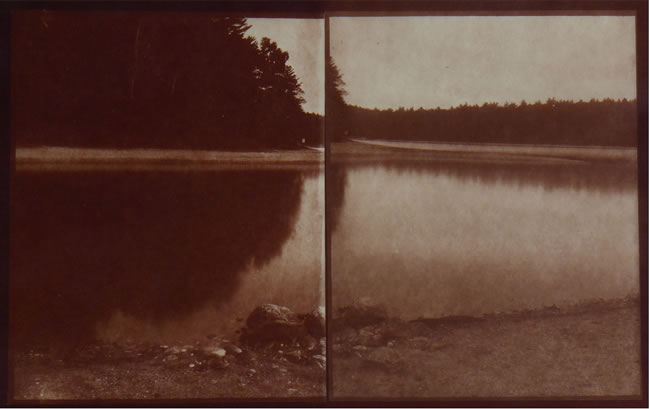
point(590, 350)
point(53, 158)
point(366, 151)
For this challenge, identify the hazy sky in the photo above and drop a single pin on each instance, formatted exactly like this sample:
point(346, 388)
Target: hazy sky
point(304, 40)
point(388, 62)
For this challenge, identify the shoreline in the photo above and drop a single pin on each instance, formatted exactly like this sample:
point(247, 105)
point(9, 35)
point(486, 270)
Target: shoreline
point(586, 350)
point(43, 159)
point(371, 150)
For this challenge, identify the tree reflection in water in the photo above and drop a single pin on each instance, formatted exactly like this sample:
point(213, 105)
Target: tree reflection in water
point(155, 245)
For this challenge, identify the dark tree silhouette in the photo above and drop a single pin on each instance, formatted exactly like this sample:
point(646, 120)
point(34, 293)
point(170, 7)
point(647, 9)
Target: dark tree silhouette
point(166, 80)
point(335, 106)
point(280, 92)
point(601, 123)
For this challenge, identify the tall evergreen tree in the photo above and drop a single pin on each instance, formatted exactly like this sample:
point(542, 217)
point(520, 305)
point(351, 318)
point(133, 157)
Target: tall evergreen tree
point(335, 106)
point(166, 80)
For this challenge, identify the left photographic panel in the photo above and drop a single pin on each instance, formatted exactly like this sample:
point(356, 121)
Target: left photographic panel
point(167, 207)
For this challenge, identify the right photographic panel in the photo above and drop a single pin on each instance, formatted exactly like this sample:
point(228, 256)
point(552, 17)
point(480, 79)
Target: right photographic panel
point(482, 207)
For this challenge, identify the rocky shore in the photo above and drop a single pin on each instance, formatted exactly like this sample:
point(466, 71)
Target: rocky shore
point(588, 350)
point(279, 355)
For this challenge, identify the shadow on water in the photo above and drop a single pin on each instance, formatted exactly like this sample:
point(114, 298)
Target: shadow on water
point(602, 176)
point(153, 245)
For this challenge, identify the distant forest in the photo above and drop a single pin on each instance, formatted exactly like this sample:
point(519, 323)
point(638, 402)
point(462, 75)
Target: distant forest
point(162, 80)
point(602, 123)
point(555, 122)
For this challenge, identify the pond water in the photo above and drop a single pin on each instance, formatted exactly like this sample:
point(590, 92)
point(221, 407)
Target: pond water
point(160, 256)
point(166, 256)
point(470, 237)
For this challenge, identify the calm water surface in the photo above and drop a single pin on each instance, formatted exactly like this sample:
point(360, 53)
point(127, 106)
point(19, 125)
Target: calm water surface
point(468, 238)
point(160, 256)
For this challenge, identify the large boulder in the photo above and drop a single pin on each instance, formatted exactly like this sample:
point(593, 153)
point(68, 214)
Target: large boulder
point(267, 313)
point(275, 324)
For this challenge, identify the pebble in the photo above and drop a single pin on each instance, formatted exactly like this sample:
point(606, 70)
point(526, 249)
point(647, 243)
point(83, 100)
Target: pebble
point(192, 365)
point(220, 352)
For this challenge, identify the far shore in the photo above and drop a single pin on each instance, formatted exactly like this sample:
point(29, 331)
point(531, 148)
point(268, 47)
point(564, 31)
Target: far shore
point(45, 158)
point(447, 151)
point(52, 158)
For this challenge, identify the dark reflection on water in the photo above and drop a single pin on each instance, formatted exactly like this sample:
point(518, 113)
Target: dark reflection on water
point(603, 176)
point(154, 245)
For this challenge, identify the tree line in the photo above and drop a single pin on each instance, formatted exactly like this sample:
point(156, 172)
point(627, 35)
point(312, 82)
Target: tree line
point(604, 122)
point(596, 122)
point(198, 81)
point(164, 80)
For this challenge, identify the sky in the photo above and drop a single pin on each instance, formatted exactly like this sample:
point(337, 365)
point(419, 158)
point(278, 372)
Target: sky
point(445, 61)
point(304, 40)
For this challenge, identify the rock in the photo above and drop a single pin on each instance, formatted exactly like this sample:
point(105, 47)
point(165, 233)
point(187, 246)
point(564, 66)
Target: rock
point(232, 349)
point(315, 323)
point(274, 324)
point(320, 359)
point(369, 338)
point(174, 350)
point(214, 351)
point(362, 313)
point(294, 356)
point(170, 358)
point(266, 313)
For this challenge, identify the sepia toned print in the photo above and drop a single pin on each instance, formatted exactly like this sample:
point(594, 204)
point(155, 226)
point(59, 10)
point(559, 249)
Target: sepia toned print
point(167, 207)
point(208, 208)
point(482, 195)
